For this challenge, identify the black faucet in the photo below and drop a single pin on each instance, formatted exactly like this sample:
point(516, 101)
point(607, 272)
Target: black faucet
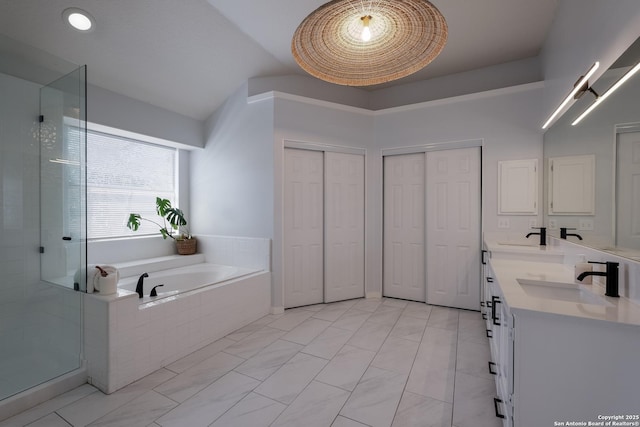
point(139, 286)
point(611, 277)
point(564, 234)
point(542, 233)
point(154, 293)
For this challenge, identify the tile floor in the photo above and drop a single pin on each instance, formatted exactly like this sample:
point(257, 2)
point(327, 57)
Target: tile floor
point(373, 362)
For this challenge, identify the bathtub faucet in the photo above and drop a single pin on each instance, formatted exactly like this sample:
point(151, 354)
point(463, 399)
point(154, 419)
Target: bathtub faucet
point(139, 286)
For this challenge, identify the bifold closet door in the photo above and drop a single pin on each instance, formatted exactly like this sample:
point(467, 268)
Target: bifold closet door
point(303, 227)
point(453, 228)
point(404, 221)
point(628, 191)
point(344, 226)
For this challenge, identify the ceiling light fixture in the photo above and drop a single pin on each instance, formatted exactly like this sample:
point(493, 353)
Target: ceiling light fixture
point(576, 88)
point(363, 43)
point(609, 91)
point(79, 19)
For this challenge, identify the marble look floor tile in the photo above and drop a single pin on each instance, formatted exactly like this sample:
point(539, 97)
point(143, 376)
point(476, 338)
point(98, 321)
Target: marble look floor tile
point(51, 420)
point(49, 406)
point(285, 385)
point(369, 304)
point(472, 329)
point(331, 312)
point(409, 328)
point(250, 346)
point(385, 315)
point(328, 343)
point(253, 327)
point(417, 309)
point(206, 406)
point(473, 358)
point(392, 302)
point(314, 308)
point(198, 356)
point(370, 336)
point(341, 421)
point(375, 399)
point(252, 411)
point(96, 405)
point(265, 363)
point(474, 402)
point(352, 320)
point(396, 354)
point(419, 411)
point(290, 319)
point(305, 332)
point(184, 385)
point(433, 371)
point(140, 412)
point(347, 367)
point(317, 406)
point(443, 318)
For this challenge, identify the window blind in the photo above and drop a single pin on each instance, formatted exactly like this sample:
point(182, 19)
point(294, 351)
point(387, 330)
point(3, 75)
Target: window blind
point(125, 176)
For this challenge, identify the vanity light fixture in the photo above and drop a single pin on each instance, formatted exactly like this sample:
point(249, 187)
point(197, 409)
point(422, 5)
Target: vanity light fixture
point(78, 19)
point(609, 91)
point(578, 86)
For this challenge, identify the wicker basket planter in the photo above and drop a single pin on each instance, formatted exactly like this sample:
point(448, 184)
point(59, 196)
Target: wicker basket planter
point(186, 246)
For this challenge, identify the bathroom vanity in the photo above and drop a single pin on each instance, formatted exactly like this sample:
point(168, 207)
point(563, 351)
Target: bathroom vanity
point(561, 352)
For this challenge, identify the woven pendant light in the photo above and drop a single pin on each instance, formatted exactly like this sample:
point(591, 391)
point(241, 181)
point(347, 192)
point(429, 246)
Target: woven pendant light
point(368, 42)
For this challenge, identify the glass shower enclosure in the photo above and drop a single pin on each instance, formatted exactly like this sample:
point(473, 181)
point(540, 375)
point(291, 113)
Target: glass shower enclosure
point(40, 305)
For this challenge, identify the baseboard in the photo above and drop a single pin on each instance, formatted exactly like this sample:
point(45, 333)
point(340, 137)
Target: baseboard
point(277, 310)
point(373, 295)
point(36, 395)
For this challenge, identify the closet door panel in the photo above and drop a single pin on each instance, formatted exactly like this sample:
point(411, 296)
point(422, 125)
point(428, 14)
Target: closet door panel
point(303, 227)
point(344, 226)
point(404, 274)
point(453, 228)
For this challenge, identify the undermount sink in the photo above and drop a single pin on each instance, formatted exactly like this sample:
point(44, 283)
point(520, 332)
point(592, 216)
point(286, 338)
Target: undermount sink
point(561, 292)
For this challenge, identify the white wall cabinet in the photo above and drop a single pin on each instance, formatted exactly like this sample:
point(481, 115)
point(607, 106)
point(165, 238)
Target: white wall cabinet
point(518, 187)
point(572, 185)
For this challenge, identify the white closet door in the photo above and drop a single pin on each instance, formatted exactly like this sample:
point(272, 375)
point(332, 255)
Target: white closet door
point(628, 191)
point(344, 226)
point(404, 227)
point(303, 228)
point(453, 228)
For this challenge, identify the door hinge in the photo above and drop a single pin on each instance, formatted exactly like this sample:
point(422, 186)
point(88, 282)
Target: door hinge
point(512, 334)
point(41, 118)
point(41, 249)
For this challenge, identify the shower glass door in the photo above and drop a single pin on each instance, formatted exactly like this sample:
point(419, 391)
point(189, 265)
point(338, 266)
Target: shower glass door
point(63, 181)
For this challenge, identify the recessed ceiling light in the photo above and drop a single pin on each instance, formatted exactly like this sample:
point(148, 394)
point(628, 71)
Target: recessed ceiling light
point(79, 19)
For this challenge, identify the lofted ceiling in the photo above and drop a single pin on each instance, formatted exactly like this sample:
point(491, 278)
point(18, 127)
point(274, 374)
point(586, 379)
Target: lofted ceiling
point(188, 56)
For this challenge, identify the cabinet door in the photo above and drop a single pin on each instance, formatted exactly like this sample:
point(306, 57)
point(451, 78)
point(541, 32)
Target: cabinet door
point(571, 185)
point(518, 187)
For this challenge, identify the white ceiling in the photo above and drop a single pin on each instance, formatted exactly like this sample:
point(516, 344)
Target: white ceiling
point(188, 56)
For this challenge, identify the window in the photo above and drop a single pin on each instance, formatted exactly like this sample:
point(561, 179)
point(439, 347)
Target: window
point(124, 176)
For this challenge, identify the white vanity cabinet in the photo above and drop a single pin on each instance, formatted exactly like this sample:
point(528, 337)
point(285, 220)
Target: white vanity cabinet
point(500, 334)
point(554, 368)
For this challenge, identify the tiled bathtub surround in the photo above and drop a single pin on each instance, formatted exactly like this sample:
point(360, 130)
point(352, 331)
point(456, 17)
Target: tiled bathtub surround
point(375, 363)
point(125, 341)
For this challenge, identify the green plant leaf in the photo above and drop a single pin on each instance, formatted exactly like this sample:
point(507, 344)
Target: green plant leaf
point(176, 218)
point(165, 233)
point(134, 222)
point(162, 206)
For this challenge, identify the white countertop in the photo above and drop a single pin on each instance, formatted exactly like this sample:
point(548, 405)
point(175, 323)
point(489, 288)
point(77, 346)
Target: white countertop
point(507, 271)
point(521, 247)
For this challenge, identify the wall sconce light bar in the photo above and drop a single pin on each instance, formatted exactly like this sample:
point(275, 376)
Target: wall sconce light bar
point(605, 95)
point(569, 97)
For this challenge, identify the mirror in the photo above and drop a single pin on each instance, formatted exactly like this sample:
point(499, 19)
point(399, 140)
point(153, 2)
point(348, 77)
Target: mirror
point(592, 170)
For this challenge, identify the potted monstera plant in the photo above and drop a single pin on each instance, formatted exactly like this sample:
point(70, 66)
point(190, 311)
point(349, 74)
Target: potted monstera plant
point(174, 226)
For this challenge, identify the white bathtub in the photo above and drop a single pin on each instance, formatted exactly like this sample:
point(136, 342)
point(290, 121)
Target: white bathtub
point(184, 279)
point(127, 338)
